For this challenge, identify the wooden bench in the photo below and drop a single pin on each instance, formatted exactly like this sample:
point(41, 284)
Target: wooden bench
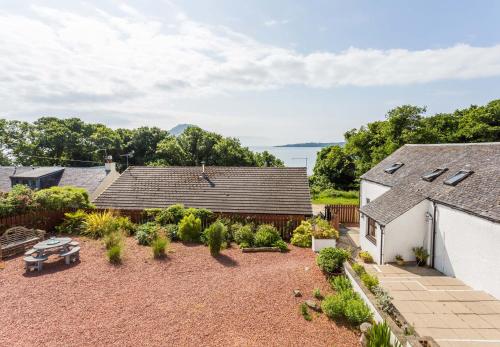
point(34, 263)
point(17, 239)
point(71, 256)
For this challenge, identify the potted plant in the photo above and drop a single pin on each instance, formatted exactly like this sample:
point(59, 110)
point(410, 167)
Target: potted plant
point(421, 255)
point(399, 259)
point(323, 235)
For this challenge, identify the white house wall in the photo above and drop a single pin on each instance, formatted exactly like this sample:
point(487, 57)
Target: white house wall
point(411, 229)
point(371, 191)
point(468, 247)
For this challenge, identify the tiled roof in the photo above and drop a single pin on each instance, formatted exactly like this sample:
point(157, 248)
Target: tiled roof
point(83, 177)
point(223, 189)
point(478, 194)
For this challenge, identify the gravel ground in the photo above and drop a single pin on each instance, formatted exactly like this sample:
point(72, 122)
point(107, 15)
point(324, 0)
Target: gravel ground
point(188, 299)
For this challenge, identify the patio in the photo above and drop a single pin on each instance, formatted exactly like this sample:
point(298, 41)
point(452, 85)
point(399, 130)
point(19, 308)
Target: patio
point(188, 299)
point(441, 307)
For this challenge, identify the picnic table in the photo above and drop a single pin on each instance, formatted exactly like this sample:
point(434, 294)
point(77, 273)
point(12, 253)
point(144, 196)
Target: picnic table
point(63, 246)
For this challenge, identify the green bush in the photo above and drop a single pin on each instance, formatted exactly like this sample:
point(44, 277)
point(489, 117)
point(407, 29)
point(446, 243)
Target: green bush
point(58, 198)
point(380, 336)
point(115, 254)
point(357, 312)
point(73, 222)
point(112, 239)
point(20, 199)
point(334, 305)
point(302, 236)
point(244, 245)
point(148, 232)
point(158, 246)
point(304, 311)
point(171, 231)
point(323, 230)
point(358, 269)
point(330, 260)
point(281, 245)
point(170, 215)
point(369, 281)
point(201, 213)
point(317, 294)
point(124, 224)
point(215, 234)
point(190, 228)
point(340, 283)
point(366, 257)
point(99, 224)
point(244, 234)
point(266, 236)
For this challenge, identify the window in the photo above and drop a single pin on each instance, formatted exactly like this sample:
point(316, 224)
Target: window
point(458, 177)
point(431, 176)
point(393, 168)
point(370, 230)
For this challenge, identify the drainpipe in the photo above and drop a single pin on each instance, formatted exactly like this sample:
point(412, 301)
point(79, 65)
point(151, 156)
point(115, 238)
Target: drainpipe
point(433, 230)
point(381, 244)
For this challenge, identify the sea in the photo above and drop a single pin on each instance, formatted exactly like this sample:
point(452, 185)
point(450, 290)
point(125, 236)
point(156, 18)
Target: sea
point(293, 156)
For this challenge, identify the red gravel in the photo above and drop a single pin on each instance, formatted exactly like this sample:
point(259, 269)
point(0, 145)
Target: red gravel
point(189, 299)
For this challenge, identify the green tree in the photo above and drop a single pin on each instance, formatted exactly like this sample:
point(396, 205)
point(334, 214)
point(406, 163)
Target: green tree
point(334, 168)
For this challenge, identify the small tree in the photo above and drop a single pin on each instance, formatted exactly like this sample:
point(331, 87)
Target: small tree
point(215, 237)
point(190, 228)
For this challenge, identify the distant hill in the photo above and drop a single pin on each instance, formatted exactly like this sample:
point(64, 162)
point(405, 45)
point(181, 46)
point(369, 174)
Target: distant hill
point(179, 129)
point(313, 144)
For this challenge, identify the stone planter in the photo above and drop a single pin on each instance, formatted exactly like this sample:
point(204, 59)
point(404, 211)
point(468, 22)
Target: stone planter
point(319, 244)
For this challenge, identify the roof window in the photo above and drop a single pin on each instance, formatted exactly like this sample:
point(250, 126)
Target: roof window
point(431, 176)
point(393, 168)
point(458, 177)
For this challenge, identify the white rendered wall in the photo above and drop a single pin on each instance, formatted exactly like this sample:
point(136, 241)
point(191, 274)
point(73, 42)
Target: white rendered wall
point(371, 191)
point(468, 247)
point(409, 230)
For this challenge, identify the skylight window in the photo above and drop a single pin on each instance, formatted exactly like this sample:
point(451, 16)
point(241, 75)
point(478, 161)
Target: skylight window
point(431, 176)
point(393, 168)
point(458, 177)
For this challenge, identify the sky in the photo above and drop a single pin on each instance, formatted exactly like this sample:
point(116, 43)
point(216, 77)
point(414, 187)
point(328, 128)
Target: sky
point(267, 72)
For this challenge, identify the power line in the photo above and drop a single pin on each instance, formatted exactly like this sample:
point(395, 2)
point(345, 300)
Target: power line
point(60, 159)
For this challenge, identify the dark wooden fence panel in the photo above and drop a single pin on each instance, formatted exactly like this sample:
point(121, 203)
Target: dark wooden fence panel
point(343, 214)
point(41, 219)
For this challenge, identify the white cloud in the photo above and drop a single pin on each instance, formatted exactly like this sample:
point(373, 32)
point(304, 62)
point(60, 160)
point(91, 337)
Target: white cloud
point(134, 63)
point(273, 22)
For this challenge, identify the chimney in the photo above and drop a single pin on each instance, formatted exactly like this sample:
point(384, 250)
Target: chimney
point(203, 168)
point(109, 165)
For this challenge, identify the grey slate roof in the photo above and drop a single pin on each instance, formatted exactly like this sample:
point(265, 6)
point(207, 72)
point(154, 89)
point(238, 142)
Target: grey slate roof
point(478, 194)
point(224, 189)
point(83, 177)
point(37, 172)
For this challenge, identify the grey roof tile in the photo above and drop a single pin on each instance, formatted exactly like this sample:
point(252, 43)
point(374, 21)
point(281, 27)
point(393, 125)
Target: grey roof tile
point(224, 189)
point(478, 194)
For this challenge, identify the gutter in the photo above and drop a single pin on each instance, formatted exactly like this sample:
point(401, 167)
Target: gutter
point(382, 227)
point(433, 245)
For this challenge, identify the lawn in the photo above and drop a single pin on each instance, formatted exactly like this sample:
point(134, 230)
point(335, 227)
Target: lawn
point(336, 197)
point(187, 299)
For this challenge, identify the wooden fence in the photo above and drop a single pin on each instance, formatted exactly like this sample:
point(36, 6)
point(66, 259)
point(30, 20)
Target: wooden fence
point(47, 220)
point(343, 214)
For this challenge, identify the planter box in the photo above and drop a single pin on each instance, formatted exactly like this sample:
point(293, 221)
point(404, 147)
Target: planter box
point(319, 244)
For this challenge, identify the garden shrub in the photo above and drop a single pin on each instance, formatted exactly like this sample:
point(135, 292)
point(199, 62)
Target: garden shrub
point(369, 281)
point(215, 235)
point(112, 239)
point(317, 294)
point(358, 269)
point(244, 245)
point(124, 224)
point(323, 230)
point(384, 300)
point(73, 222)
point(266, 236)
point(115, 254)
point(302, 236)
point(232, 229)
point(159, 245)
point(20, 199)
point(245, 235)
point(190, 228)
point(379, 335)
point(98, 224)
point(201, 213)
point(334, 305)
point(58, 198)
point(330, 260)
point(366, 257)
point(356, 311)
point(281, 245)
point(171, 231)
point(304, 311)
point(147, 232)
point(340, 283)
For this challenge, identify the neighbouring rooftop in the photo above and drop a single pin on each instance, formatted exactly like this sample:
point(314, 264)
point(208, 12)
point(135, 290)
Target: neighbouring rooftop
point(252, 190)
point(476, 192)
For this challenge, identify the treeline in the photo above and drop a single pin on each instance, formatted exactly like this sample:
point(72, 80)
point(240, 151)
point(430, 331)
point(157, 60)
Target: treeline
point(340, 167)
point(53, 141)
